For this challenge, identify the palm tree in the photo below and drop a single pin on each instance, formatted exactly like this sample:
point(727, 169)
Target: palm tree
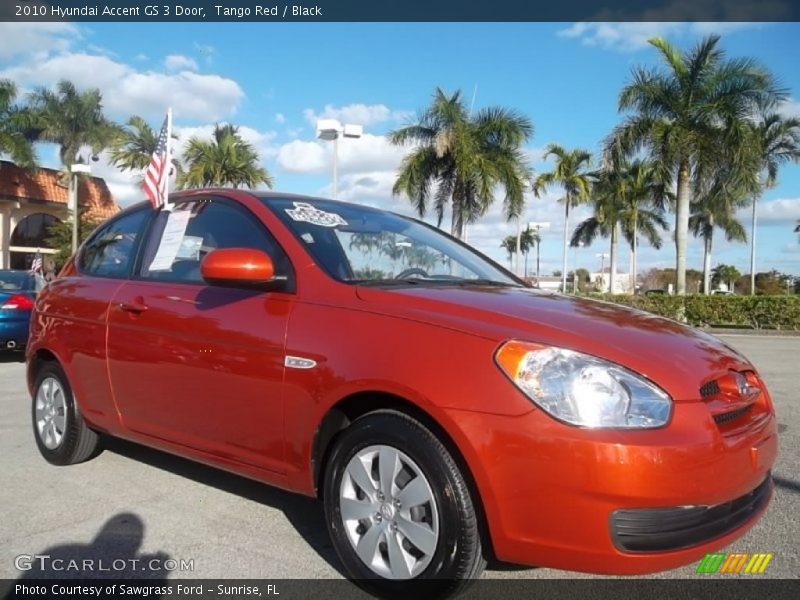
point(723, 184)
point(509, 244)
point(134, 146)
point(678, 111)
point(529, 238)
point(225, 160)
point(571, 171)
point(645, 197)
point(727, 274)
point(73, 120)
point(15, 135)
point(607, 191)
point(777, 140)
point(705, 217)
point(459, 159)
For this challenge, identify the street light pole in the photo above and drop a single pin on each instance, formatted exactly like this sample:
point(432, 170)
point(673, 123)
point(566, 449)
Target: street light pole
point(75, 168)
point(602, 258)
point(332, 130)
point(336, 167)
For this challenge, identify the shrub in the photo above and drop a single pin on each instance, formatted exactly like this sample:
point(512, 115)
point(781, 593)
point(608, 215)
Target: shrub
point(756, 312)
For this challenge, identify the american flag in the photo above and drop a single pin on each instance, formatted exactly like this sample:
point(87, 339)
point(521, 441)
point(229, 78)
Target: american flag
point(156, 177)
point(36, 264)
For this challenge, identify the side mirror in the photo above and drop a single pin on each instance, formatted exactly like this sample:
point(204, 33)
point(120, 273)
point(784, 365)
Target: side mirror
point(238, 267)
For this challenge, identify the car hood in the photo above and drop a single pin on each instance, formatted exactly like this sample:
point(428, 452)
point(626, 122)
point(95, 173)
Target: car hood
point(676, 357)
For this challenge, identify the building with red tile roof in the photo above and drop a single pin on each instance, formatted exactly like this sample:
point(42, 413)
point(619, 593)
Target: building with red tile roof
point(31, 201)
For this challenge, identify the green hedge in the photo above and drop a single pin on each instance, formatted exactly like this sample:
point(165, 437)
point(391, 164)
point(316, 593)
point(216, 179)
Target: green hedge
point(756, 312)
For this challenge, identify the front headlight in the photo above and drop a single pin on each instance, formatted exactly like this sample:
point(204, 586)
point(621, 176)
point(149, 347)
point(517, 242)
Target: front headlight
point(584, 390)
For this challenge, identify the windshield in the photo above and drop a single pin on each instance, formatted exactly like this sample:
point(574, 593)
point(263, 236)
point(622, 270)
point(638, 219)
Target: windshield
point(363, 245)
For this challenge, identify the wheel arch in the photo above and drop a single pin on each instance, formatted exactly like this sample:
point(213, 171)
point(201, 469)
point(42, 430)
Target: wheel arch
point(36, 361)
point(362, 403)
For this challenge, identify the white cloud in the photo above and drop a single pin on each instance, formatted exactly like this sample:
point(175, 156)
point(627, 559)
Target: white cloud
point(783, 212)
point(128, 91)
point(370, 153)
point(358, 114)
point(302, 157)
point(790, 108)
point(124, 186)
point(633, 36)
point(280, 118)
point(179, 62)
point(192, 95)
point(618, 36)
point(35, 38)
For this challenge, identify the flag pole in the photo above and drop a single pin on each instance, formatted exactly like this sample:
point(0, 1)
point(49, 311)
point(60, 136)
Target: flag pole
point(168, 166)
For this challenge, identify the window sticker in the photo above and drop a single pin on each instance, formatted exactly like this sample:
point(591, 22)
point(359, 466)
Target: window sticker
point(310, 214)
point(171, 240)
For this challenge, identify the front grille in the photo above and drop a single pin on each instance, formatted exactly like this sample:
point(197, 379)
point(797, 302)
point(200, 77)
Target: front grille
point(709, 389)
point(663, 529)
point(727, 417)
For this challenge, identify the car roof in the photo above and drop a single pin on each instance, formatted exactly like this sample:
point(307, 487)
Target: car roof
point(264, 195)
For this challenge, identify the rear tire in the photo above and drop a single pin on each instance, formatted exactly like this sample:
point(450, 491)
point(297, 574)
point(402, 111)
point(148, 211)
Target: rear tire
point(61, 434)
point(409, 524)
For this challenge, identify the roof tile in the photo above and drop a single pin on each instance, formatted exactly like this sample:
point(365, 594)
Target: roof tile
point(45, 184)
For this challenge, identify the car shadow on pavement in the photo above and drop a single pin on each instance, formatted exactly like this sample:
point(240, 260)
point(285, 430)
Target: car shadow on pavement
point(786, 484)
point(12, 357)
point(304, 513)
point(113, 553)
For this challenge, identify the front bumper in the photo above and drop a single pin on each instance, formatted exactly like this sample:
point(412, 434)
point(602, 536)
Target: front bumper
point(550, 491)
point(663, 529)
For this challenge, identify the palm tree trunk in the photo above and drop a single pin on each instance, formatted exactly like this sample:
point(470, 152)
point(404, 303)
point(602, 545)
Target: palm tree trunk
point(681, 227)
point(753, 250)
point(519, 243)
point(612, 278)
point(635, 250)
point(566, 244)
point(457, 219)
point(707, 261)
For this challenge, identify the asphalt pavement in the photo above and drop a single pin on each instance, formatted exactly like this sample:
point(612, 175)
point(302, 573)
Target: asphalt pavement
point(139, 504)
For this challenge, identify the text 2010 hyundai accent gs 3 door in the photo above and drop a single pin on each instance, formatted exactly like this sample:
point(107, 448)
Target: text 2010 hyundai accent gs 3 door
point(442, 410)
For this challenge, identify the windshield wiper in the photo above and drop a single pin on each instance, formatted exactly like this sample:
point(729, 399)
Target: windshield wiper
point(484, 282)
point(388, 282)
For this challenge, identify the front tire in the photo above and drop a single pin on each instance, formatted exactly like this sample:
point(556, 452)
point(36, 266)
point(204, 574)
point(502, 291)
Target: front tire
point(399, 510)
point(62, 436)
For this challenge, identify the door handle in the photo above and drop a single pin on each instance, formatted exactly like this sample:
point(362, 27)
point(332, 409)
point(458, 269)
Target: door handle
point(137, 306)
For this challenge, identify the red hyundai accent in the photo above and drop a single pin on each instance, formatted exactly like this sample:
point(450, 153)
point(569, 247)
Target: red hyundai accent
point(443, 411)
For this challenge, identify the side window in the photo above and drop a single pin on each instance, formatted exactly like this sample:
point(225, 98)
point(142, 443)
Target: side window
point(179, 241)
point(110, 251)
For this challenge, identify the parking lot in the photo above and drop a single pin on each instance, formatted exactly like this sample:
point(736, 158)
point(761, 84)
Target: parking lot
point(132, 502)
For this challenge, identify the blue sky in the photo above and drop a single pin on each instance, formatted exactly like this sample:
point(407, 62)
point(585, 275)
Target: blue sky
point(276, 80)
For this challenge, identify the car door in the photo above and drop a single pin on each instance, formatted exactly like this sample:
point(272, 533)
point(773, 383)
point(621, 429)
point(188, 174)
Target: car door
point(72, 311)
point(196, 364)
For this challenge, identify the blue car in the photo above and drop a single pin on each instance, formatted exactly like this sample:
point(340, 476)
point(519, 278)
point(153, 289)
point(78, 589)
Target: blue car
point(18, 290)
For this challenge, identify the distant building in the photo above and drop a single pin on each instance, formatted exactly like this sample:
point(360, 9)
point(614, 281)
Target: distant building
point(547, 282)
point(602, 282)
point(31, 202)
